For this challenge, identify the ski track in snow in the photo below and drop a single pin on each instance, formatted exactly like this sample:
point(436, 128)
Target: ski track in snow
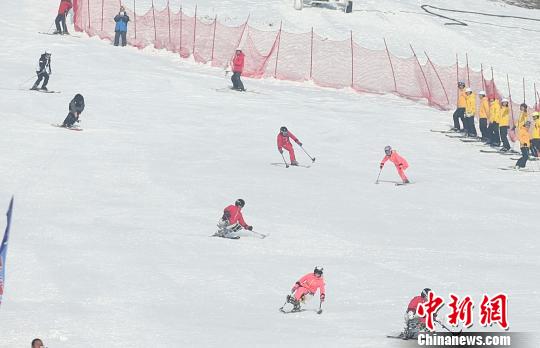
point(109, 244)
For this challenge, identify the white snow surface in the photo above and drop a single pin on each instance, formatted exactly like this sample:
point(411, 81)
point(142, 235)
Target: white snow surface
point(109, 243)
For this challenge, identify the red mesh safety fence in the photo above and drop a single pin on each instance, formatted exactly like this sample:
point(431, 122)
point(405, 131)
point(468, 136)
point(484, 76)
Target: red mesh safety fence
point(286, 56)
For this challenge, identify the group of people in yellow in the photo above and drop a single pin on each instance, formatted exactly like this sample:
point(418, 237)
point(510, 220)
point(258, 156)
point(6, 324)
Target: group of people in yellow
point(495, 121)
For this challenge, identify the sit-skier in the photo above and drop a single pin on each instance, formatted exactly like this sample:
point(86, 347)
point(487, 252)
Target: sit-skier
point(307, 286)
point(400, 162)
point(413, 323)
point(232, 220)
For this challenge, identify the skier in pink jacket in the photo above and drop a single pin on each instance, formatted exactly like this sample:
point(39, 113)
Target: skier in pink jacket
point(400, 162)
point(307, 285)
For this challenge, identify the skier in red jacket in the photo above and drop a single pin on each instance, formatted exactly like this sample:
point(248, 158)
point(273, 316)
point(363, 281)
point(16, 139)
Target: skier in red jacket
point(413, 323)
point(400, 162)
point(283, 142)
point(307, 286)
point(63, 9)
point(237, 68)
point(232, 220)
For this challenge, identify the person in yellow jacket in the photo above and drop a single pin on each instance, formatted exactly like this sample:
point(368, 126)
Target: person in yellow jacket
point(460, 110)
point(494, 116)
point(523, 115)
point(470, 112)
point(535, 141)
point(504, 124)
point(483, 115)
point(524, 143)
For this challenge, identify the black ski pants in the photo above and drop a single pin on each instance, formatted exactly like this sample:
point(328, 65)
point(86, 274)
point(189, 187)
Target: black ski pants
point(61, 18)
point(236, 81)
point(522, 162)
point(459, 115)
point(42, 76)
point(70, 120)
point(118, 35)
point(504, 137)
point(484, 128)
point(535, 147)
point(495, 137)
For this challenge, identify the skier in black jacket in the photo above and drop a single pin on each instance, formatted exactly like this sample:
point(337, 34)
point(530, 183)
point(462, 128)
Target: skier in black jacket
point(43, 71)
point(76, 107)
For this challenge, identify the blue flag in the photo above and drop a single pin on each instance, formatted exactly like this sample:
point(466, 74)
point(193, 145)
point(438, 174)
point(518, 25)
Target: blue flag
point(3, 250)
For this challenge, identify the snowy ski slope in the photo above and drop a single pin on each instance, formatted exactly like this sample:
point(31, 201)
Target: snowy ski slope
point(109, 244)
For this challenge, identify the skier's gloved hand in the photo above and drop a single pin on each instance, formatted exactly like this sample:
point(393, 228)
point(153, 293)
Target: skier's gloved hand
point(226, 216)
point(250, 228)
point(381, 165)
point(280, 151)
point(299, 144)
point(323, 296)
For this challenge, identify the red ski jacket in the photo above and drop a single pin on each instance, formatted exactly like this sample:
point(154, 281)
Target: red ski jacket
point(413, 305)
point(235, 215)
point(65, 6)
point(238, 62)
point(284, 142)
point(396, 159)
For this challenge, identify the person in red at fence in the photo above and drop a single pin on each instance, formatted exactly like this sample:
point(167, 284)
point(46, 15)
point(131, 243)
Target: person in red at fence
point(400, 162)
point(63, 9)
point(232, 220)
point(413, 323)
point(283, 142)
point(120, 28)
point(237, 68)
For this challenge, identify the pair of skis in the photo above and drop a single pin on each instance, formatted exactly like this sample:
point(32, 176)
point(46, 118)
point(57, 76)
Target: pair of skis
point(234, 236)
point(284, 311)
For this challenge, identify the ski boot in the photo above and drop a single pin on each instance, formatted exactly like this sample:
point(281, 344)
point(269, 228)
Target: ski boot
point(34, 88)
point(56, 32)
point(44, 89)
point(294, 163)
point(294, 302)
point(406, 181)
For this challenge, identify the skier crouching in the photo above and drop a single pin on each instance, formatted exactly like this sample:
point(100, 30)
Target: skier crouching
point(400, 162)
point(413, 323)
point(307, 286)
point(76, 107)
point(232, 220)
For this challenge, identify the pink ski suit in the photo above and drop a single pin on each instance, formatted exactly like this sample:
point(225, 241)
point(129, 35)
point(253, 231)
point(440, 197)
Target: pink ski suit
point(309, 284)
point(400, 163)
point(283, 142)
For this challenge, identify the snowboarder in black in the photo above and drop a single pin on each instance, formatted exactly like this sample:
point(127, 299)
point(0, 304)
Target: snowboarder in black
point(76, 107)
point(43, 71)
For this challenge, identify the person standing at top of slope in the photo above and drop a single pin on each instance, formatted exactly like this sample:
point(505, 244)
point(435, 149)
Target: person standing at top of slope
point(524, 144)
point(76, 107)
point(413, 323)
point(283, 142)
point(120, 28)
point(232, 219)
point(504, 124)
point(483, 115)
point(307, 286)
point(470, 112)
point(535, 141)
point(400, 162)
point(63, 9)
point(237, 68)
point(461, 105)
point(494, 119)
point(43, 70)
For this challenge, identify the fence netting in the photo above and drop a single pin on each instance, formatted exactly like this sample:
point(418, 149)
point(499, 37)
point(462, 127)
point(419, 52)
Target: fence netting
point(283, 55)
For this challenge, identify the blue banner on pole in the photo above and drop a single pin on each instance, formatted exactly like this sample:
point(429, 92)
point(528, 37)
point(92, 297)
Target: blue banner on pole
point(3, 250)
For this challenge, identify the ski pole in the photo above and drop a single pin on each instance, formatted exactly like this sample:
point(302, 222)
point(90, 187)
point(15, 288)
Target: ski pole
point(447, 329)
point(311, 158)
point(320, 308)
point(377, 181)
point(48, 30)
point(25, 81)
point(262, 236)
point(286, 165)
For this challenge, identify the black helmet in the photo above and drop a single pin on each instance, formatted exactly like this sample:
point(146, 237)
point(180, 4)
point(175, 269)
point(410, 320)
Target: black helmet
point(240, 202)
point(283, 129)
point(523, 105)
point(461, 84)
point(425, 292)
point(78, 97)
point(318, 270)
